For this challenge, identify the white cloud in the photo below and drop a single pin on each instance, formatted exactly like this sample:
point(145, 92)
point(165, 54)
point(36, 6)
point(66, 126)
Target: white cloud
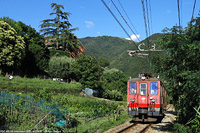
point(98, 33)
point(134, 37)
point(89, 24)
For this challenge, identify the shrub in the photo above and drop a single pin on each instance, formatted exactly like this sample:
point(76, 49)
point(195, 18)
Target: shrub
point(60, 67)
point(113, 94)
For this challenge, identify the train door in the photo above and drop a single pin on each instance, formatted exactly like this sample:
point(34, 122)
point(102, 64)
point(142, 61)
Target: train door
point(143, 94)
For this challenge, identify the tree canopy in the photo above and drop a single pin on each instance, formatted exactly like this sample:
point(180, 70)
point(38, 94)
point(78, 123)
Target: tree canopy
point(87, 71)
point(58, 30)
point(12, 47)
point(181, 68)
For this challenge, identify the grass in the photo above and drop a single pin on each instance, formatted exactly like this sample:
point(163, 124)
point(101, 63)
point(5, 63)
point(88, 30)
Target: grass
point(24, 85)
point(83, 109)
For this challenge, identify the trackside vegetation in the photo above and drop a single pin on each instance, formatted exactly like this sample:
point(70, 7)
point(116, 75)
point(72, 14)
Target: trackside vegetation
point(181, 70)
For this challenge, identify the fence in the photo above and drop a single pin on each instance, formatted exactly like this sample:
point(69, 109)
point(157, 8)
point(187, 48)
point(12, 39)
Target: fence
point(37, 112)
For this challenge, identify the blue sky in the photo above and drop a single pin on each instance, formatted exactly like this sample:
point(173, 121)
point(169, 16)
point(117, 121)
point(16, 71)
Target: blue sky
point(93, 19)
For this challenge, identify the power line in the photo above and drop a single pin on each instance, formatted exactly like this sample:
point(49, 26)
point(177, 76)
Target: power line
point(147, 14)
point(145, 23)
point(150, 16)
point(179, 16)
point(193, 9)
point(118, 22)
point(124, 19)
point(127, 16)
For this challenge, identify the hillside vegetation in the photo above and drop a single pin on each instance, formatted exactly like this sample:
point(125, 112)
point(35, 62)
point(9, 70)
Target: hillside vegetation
point(115, 50)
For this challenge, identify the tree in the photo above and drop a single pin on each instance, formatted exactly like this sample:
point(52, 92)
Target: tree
point(181, 69)
point(12, 47)
point(103, 62)
point(87, 71)
point(36, 56)
point(30, 35)
point(60, 67)
point(113, 82)
point(36, 60)
point(57, 30)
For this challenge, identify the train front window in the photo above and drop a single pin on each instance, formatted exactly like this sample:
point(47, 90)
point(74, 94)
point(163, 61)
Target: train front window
point(143, 88)
point(132, 88)
point(154, 88)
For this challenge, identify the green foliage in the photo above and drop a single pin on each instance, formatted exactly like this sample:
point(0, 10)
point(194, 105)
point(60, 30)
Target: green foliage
point(113, 94)
point(180, 68)
point(18, 84)
point(103, 62)
point(115, 50)
point(195, 123)
point(30, 35)
point(113, 81)
point(54, 52)
point(43, 94)
point(87, 71)
point(37, 58)
point(60, 67)
point(12, 47)
point(57, 30)
point(85, 106)
point(180, 128)
point(36, 54)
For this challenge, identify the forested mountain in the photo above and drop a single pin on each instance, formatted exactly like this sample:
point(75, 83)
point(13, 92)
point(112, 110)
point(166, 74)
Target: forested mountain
point(115, 50)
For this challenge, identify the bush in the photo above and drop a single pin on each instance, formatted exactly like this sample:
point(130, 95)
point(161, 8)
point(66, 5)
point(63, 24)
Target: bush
point(113, 94)
point(60, 67)
point(113, 81)
point(54, 52)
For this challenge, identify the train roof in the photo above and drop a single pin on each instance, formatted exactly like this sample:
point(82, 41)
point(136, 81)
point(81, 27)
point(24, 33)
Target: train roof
point(146, 79)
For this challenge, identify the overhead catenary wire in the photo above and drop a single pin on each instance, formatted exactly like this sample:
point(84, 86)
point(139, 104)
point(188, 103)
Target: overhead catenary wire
point(127, 16)
point(179, 15)
point(125, 20)
point(193, 9)
point(119, 22)
point(150, 17)
point(145, 23)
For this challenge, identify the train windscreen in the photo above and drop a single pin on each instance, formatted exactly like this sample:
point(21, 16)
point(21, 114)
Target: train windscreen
point(132, 88)
point(154, 88)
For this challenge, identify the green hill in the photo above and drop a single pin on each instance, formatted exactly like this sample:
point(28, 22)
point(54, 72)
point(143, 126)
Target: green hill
point(115, 50)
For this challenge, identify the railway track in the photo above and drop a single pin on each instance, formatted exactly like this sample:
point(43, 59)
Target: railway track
point(136, 128)
point(140, 127)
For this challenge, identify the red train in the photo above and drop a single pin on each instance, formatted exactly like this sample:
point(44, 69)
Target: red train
point(146, 97)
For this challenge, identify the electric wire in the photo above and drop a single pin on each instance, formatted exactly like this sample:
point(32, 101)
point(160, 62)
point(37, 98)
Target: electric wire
point(147, 26)
point(118, 22)
point(193, 9)
point(147, 15)
point(179, 16)
point(127, 16)
point(150, 16)
point(145, 22)
point(124, 20)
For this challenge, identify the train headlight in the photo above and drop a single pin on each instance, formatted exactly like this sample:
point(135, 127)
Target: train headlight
point(132, 100)
point(153, 100)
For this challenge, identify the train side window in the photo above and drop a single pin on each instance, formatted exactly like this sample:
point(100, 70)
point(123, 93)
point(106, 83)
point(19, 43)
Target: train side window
point(132, 88)
point(154, 88)
point(143, 88)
